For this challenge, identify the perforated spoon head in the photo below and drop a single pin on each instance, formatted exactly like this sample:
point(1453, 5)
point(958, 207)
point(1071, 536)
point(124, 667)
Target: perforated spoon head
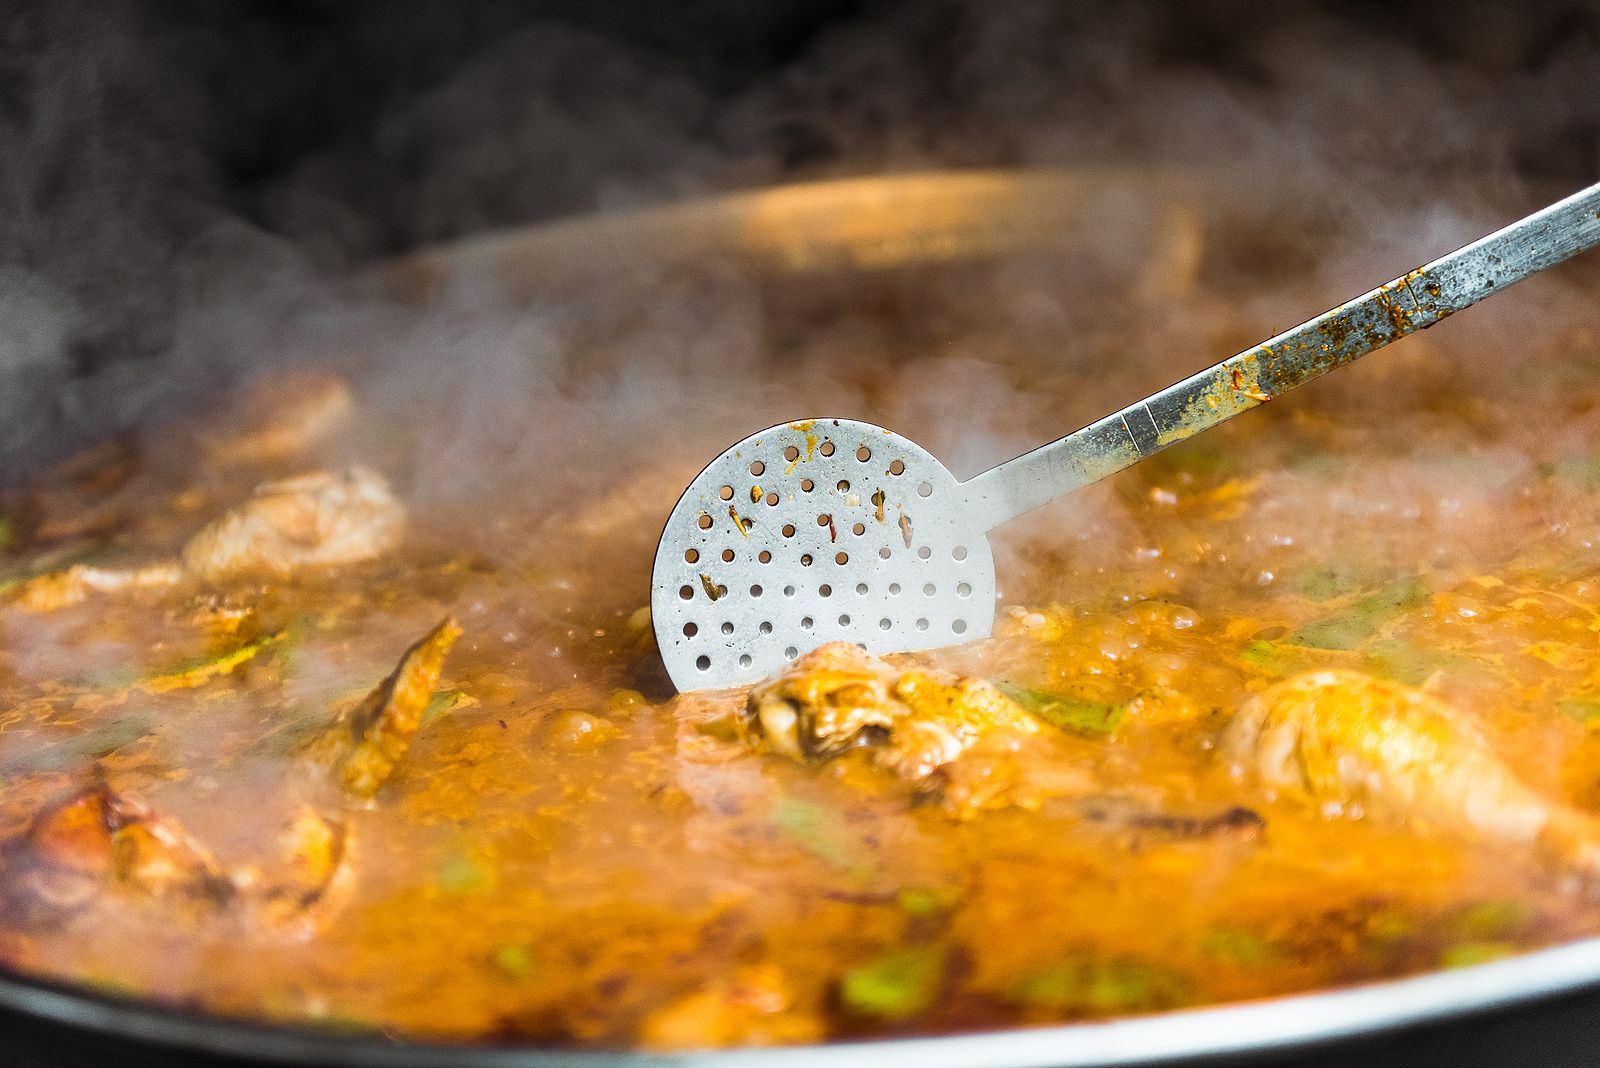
point(833, 529)
point(816, 531)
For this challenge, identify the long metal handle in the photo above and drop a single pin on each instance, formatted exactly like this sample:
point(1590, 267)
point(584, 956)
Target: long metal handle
point(1414, 301)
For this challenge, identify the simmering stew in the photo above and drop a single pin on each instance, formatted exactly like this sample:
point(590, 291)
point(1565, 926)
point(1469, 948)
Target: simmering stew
point(1310, 701)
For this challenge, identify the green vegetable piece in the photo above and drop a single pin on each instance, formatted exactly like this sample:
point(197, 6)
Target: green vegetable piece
point(1493, 920)
point(813, 827)
point(441, 702)
point(8, 533)
point(1585, 710)
point(1270, 656)
point(1329, 583)
point(1338, 632)
point(81, 552)
point(1581, 470)
point(514, 960)
point(923, 901)
point(1347, 630)
point(460, 874)
point(1412, 664)
point(289, 736)
point(1076, 714)
point(1402, 595)
point(201, 670)
point(1236, 946)
point(1466, 954)
point(897, 985)
point(1390, 927)
point(1087, 984)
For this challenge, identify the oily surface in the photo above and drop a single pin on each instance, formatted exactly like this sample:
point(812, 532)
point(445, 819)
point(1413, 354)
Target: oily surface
point(554, 850)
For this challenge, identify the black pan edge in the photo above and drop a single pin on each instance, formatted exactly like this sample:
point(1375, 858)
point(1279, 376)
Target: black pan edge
point(1273, 1027)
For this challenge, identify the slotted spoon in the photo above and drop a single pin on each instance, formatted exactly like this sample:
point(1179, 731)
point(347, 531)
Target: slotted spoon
point(826, 529)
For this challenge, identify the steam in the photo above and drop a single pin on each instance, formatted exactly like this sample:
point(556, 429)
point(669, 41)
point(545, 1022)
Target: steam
point(158, 239)
point(161, 240)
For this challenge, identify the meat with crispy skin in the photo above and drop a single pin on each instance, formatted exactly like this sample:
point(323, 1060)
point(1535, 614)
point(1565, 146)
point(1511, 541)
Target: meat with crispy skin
point(315, 520)
point(1341, 738)
point(96, 845)
point(836, 697)
point(96, 841)
point(320, 519)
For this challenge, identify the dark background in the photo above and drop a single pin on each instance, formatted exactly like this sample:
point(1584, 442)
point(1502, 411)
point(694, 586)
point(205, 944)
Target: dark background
point(380, 105)
point(144, 144)
point(180, 178)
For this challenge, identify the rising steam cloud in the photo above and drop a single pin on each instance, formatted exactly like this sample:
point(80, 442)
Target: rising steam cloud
point(182, 190)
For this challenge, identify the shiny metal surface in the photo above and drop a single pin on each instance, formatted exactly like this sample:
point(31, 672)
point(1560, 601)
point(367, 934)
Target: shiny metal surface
point(788, 539)
point(815, 531)
point(1414, 301)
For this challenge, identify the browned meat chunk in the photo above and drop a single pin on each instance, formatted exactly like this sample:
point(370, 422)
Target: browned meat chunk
point(97, 845)
point(837, 697)
point(751, 1007)
point(1351, 743)
point(96, 841)
point(316, 520)
point(366, 743)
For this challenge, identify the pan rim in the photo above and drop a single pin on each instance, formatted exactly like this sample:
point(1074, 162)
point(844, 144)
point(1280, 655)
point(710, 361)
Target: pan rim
point(1286, 1024)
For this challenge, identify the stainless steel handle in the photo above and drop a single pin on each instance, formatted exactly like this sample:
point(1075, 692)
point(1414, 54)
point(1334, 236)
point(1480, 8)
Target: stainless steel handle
point(1414, 301)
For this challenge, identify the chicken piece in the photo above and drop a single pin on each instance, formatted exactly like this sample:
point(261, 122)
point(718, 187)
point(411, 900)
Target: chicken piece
point(96, 840)
point(837, 696)
point(1341, 738)
point(751, 1007)
point(366, 743)
point(312, 880)
point(59, 589)
point(316, 520)
point(279, 417)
